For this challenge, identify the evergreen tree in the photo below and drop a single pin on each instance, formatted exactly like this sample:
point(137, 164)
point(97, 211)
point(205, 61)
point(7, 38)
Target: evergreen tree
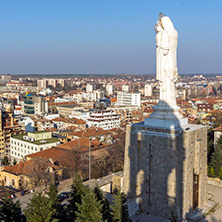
point(220, 173)
point(211, 172)
point(216, 159)
point(105, 204)
point(14, 162)
point(90, 209)
point(5, 160)
point(77, 191)
point(210, 145)
point(10, 211)
point(40, 209)
point(54, 203)
point(120, 211)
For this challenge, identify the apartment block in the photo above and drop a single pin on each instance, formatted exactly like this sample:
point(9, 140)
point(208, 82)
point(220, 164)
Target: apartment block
point(32, 142)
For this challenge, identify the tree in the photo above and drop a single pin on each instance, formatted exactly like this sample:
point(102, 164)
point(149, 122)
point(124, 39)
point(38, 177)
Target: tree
point(10, 211)
point(105, 210)
point(211, 172)
point(210, 144)
point(40, 209)
point(90, 209)
point(120, 211)
point(54, 203)
point(5, 160)
point(14, 162)
point(216, 159)
point(77, 191)
point(220, 173)
point(40, 173)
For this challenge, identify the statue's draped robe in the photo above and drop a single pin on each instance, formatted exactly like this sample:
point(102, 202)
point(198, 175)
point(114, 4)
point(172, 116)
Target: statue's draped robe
point(166, 65)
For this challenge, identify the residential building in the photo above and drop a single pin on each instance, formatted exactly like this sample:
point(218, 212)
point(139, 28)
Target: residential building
point(67, 110)
point(110, 89)
point(90, 87)
point(128, 99)
point(8, 128)
point(31, 142)
point(18, 111)
point(125, 88)
point(106, 120)
point(34, 105)
point(42, 84)
point(94, 133)
point(21, 175)
point(148, 90)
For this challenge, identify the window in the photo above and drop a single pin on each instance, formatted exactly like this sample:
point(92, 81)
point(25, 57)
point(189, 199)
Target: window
point(13, 182)
point(5, 178)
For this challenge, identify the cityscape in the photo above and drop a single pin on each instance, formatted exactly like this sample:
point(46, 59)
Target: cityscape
point(91, 145)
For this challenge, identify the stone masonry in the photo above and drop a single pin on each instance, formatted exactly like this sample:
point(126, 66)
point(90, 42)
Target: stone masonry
point(165, 170)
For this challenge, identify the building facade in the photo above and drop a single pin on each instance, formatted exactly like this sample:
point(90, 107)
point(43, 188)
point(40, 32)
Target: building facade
point(32, 142)
point(34, 105)
point(106, 120)
point(110, 89)
point(128, 99)
point(8, 128)
point(148, 90)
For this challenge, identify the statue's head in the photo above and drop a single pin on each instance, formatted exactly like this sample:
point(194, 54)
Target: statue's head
point(158, 27)
point(166, 23)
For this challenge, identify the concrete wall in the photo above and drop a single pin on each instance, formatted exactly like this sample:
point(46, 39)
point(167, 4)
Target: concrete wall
point(214, 181)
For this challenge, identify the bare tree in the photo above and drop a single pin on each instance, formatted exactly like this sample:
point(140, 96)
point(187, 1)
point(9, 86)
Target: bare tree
point(41, 172)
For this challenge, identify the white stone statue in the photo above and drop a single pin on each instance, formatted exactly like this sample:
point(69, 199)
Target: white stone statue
point(166, 112)
point(166, 59)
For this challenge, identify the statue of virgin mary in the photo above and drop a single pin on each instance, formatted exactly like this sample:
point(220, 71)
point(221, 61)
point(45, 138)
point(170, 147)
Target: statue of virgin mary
point(166, 60)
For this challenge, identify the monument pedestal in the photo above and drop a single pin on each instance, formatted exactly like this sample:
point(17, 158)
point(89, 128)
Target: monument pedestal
point(165, 169)
point(166, 117)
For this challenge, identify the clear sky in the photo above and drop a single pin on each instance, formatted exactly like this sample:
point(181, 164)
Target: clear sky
point(106, 36)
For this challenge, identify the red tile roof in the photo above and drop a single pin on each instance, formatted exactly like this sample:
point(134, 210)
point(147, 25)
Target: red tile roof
point(90, 132)
point(24, 167)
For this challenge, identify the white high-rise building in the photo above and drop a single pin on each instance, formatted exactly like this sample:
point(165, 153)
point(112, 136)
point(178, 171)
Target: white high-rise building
point(106, 120)
point(42, 84)
point(128, 99)
point(125, 88)
point(110, 89)
point(148, 90)
point(90, 88)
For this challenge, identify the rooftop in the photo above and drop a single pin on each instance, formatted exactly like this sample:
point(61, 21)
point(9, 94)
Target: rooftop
point(89, 132)
point(36, 142)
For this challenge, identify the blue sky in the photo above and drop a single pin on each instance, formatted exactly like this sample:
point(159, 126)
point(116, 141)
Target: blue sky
point(106, 36)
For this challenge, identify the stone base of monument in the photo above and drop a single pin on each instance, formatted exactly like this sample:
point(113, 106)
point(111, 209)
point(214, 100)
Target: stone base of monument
point(165, 167)
point(166, 117)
